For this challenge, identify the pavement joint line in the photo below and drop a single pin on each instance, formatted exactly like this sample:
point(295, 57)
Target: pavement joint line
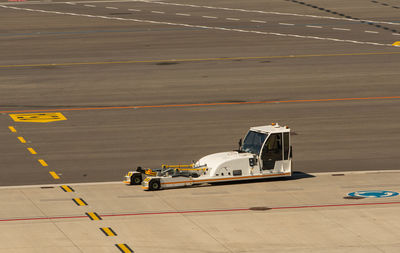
point(54, 175)
point(12, 129)
point(124, 248)
point(43, 162)
point(120, 182)
point(204, 27)
point(210, 104)
point(108, 231)
point(21, 139)
point(197, 59)
point(95, 216)
point(32, 151)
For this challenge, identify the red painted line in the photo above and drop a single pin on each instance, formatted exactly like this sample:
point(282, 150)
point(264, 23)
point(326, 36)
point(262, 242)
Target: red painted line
point(202, 104)
point(206, 211)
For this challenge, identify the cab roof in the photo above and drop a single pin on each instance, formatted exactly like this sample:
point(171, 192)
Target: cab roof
point(273, 128)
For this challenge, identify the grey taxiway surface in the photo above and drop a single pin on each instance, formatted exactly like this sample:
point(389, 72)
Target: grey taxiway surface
point(58, 56)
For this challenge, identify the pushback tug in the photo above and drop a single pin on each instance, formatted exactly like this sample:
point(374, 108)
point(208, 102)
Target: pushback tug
point(266, 152)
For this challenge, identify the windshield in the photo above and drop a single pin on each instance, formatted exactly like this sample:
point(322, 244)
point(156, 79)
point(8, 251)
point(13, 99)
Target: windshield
point(253, 142)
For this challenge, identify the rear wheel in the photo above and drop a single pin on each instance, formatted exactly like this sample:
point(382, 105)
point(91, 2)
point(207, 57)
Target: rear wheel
point(154, 185)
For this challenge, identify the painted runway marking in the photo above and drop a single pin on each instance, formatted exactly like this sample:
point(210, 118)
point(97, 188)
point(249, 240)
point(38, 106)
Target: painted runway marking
point(67, 188)
point(89, 5)
point(93, 216)
point(314, 26)
point(112, 8)
point(134, 10)
point(371, 32)
point(21, 139)
point(79, 202)
point(285, 24)
point(38, 117)
point(182, 14)
point(233, 19)
point(124, 248)
point(108, 231)
point(207, 27)
point(158, 12)
point(54, 175)
point(32, 151)
point(209, 17)
point(43, 162)
point(341, 29)
point(258, 21)
point(12, 129)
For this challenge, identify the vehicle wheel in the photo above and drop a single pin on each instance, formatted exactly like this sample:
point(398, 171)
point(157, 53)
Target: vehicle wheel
point(154, 185)
point(136, 179)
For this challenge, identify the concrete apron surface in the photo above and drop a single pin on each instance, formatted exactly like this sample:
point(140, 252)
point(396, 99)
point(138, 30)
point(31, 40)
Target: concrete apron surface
point(306, 213)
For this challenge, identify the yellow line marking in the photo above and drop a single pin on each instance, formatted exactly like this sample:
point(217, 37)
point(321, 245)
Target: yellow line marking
point(42, 162)
point(124, 248)
point(33, 152)
point(79, 202)
point(12, 129)
point(54, 175)
point(21, 139)
point(108, 231)
point(66, 188)
point(93, 216)
point(195, 60)
point(43, 117)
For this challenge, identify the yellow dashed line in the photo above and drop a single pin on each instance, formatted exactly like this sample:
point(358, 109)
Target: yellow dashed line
point(66, 188)
point(79, 202)
point(33, 152)
point(124, 248)
point(12, 129)
point(108, 231)
point(21, 139)
point(54, 175)
point(42, 162)
point(93, 216)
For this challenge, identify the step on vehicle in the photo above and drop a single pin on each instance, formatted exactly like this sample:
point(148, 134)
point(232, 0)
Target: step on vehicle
point(266, 152)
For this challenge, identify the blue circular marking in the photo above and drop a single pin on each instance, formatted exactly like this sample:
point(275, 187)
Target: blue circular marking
point(373, 194)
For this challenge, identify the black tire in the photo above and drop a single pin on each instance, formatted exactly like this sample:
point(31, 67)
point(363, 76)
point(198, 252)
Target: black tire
point(136, 179)
point(154, 185)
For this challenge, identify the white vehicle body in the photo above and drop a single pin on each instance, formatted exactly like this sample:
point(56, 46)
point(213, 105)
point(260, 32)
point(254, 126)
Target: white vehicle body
point(265, 153)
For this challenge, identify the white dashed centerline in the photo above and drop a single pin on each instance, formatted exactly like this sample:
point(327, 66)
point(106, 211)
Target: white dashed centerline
point(182, 14)
point(209, 17)
point(158, 12)
point(258, 21)
point(134, 10)
point(341, 29)
point(89, 5)
point(70, 3)
point(371, 32)
point(285, 24)
point(314, 26)
point(112, 8)
point(234, 19)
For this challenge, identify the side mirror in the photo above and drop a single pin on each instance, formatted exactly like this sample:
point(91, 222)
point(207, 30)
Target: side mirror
point(240, 144)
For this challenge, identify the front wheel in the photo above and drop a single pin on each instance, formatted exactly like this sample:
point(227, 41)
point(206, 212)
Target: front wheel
point(136, 179)
point(154, 185)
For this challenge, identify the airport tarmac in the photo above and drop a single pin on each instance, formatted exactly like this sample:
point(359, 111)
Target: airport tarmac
point(307, 213)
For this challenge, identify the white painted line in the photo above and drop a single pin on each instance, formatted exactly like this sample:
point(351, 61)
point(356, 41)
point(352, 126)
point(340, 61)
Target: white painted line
point(89, 5)
point(182, 14)
point(209, 17)
point(203, 27)
point(258, 21)
point(314, 26)
point(285, 24)
point(341, 29)
point(234, 19)
point(371, 32)
point(112, 8)
point(396, 34)
point(70, 3)
point(158, 12)
point(134, 10)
